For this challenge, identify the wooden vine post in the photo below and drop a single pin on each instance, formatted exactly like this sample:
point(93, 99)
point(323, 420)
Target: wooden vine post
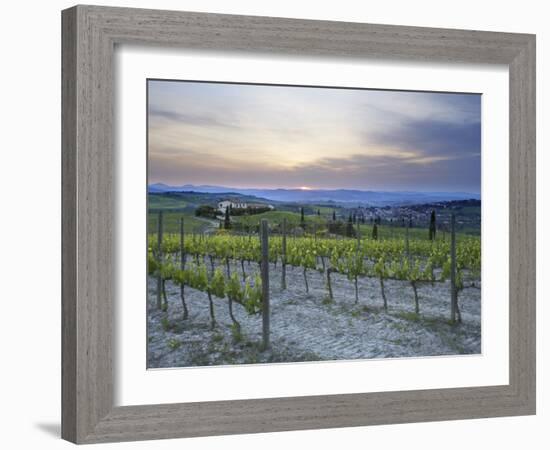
point(357, 258)
point(265, 283)
point(407, 252)
point(182, 267)
point(159, 257)
point(453, 271)
point(283, 256)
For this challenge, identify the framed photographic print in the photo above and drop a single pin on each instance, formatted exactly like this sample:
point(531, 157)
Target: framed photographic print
point(268, 222)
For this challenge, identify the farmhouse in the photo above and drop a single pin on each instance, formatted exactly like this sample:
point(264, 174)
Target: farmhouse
point(224, 204)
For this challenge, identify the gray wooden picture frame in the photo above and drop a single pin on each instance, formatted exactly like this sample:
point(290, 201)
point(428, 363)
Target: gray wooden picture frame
point(90, 34)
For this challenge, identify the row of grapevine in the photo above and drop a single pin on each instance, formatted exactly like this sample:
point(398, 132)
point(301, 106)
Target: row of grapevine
point(413, 261)
point(383, 261)
point(227, 247)
point(216, 283)
point(251, 293)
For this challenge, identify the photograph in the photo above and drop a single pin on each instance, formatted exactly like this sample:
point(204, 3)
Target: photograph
point(292, 224)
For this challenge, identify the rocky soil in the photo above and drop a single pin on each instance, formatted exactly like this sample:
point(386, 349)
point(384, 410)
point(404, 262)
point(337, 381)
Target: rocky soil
point(309, 327)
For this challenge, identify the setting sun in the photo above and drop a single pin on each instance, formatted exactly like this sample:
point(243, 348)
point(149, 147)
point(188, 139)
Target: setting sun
point(305, 188)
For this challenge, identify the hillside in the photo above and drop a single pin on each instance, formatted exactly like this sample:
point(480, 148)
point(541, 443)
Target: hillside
point(337, 196)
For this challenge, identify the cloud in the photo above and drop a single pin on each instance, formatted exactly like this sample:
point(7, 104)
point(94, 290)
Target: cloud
point(431, 138)
point(393, 106)
point(266, 136)
point(393, 171)
point(404, 171)
point(188, 119)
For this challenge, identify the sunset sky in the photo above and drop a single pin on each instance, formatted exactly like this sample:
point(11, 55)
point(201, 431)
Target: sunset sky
point(253, 136)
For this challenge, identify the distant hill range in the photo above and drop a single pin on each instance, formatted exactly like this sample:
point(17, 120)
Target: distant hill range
point(337, 196)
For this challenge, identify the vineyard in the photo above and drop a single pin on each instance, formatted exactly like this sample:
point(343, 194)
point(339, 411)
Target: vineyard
point(247, 295)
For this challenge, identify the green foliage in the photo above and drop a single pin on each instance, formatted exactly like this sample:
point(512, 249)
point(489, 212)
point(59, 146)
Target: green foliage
point(253, 295)
point(432, 228)
point(174, 344)
point(167, 269)
point(306, 251)
point(350, 231)
point(383, 258)
point(206, 211)
point(337, 227)
point(247, 294)
point(165, 323)
point(380, 268)
point(234, 289)
point(152, 264)
point(428, 272)
point(171, 222)
point(227, 219)
point(217, 283)
point(217, 338)
point(302, 253)
point(199, 278)
point(236, 333)
point(410, 316)
point(250, 210)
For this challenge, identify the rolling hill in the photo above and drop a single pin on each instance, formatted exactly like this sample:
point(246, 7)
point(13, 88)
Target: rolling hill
point(336, 196)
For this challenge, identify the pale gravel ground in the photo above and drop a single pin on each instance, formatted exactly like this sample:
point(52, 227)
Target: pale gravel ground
point(304, 327)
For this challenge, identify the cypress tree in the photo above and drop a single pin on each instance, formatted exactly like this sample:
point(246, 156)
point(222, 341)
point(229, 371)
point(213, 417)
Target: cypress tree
point(227, 220)
point(432, 226)
point(334, 216)
point(375, 232)
point(349, 227)
point(302, 219)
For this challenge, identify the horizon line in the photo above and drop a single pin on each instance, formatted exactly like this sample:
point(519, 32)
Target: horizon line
point(309, 188)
